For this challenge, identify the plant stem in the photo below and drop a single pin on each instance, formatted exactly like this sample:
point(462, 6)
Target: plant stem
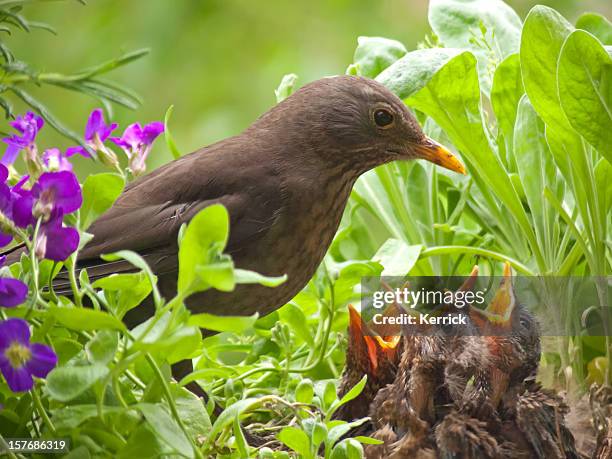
point(42, 412)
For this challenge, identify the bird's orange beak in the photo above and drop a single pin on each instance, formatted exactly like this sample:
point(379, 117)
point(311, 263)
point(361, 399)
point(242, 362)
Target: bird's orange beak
point(499, 311)
point(438, 154)
point(358, 330)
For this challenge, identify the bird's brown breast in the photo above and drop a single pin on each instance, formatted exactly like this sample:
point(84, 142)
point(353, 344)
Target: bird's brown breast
point(294, 245)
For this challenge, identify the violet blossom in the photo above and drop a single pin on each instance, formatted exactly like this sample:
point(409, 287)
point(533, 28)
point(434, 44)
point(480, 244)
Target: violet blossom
point(28, 127)
point(54, 160)
point(137, 141)
point(13, 292)
point(96, 133)
point(56, 191)
point(55, 241)
point(6, 208)
point(20, 360)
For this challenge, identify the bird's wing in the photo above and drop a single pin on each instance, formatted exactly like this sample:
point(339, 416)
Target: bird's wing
point(148, 215)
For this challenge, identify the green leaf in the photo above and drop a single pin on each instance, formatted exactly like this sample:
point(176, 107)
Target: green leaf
point(470, 23)
point(298, 322)
point(543, 35)
point(102, 348)
point(304, 391)
point(166, 428)
point(140, 263)
point(598, 25)
point(354, 392)
point(296, 439)
point(536, 169)
point(347, 449)
point(100, 191)
point(397, 257)
point(375, 54)
point(66, 383)
point(144, 442)
point(505, 94)
point(286, 87)
point(130, 288)
point(85, 319)
point(413, 71)
point(228, 415)
point(234, 324)
point(585, 89)
point(203, 240)
point(368, 440)
point(176, 154)
point(243, 276)
point(241, 443)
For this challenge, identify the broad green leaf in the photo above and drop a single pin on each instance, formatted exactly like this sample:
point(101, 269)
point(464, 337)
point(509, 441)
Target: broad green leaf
point(535, 166)
point(338, 431)
point(286, 87)
point(413, 71)
point(130, 290)
point(347, 449)
point(489, 28)
point(234, 324)
point(145, 443)
point(166, 428)
point(100, 191)
point(139, 262)
point(304, 391)
point(203, 240)
point(218, 275)
point(598, 25)
point(228, 415)
point(397, 257)
point(102, 348)
point(505, 95)
point(243, 276)
point(375, 54)
point(585, 89)
point(297, 440)
point(194, 414)
point(543, 35)
point(66, 383)
point(298, 322)
point(85, 319)
point(452, 99)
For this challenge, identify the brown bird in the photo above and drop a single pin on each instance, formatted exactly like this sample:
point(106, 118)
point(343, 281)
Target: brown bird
point(285, 182)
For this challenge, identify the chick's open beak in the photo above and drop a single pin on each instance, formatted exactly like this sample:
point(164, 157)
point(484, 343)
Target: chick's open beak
point(432, 151)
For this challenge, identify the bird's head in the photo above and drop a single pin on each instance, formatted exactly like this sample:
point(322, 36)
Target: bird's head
point(367, 352)
point(358, 122)
point(506, 320)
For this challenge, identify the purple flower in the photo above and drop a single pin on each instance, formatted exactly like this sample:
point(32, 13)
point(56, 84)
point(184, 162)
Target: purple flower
point(136, 141)
point(20, 359)
point(54, 160)
point(6, 213)
point(55, 241)
point(56, 191)
point(13, 292)
point(96, 132)
point(28, 127)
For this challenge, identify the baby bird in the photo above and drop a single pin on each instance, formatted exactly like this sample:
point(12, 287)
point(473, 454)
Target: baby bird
point(367, 354)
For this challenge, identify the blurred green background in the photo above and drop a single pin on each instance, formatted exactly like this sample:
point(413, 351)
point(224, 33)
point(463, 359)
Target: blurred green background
point(216, 61)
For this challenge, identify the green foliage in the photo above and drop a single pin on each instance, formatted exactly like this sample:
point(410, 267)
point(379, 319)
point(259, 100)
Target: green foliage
point(526, 106)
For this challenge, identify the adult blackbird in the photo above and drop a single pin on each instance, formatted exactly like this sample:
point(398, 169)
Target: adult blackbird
point(285, 182)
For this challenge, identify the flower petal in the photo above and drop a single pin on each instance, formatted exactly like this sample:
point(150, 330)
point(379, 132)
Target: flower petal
point(4, 173)
point(18, 379)
point(13, 292)
point(71, 151)
point(93, 124)
point(10, 155)
point(42, 361)
point(151, 131)
point(13, 330)
point(22, 210)
point(61, 188)
point(60, 241)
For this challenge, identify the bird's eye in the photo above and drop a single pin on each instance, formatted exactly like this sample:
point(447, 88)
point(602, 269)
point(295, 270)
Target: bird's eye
point(524, 322)
point(383, 118)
